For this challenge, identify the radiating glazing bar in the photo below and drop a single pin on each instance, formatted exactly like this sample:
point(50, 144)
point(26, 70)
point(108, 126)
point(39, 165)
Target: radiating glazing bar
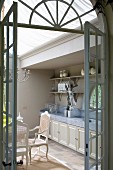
point(7, 15)
point(10, 46)
point(78, 17)
point(66, 12)
point(57, 12)
point(49, 12)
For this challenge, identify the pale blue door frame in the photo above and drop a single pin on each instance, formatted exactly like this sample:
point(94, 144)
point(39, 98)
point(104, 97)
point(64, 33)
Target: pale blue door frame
point(96, 57)
point(8, 83)
point(56, 26)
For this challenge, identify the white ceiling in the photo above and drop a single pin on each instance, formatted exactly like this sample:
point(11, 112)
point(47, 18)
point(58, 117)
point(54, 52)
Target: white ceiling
point(62, 61)
point(28, 39)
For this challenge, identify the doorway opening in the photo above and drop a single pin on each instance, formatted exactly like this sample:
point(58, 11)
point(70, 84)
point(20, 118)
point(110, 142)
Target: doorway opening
point(53, 20)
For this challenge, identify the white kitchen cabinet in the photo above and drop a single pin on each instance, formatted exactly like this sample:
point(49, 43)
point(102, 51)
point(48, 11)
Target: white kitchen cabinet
point(81, 140)
point(59, 132)
point(72, 137)
point(63, 135)
point(93, 145)
point(55, 131)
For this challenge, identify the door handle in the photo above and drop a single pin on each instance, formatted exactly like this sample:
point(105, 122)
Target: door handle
point(6, 164)
point(9, 164)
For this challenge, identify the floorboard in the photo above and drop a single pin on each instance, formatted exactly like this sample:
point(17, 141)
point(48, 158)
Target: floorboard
point(69, 157)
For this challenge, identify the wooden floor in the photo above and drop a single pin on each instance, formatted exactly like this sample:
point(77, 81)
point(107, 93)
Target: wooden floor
point(70, 158)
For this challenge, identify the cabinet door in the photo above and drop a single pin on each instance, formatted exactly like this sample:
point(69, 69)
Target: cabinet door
point(72, 137)
point(63, 134)
point(93, 145)
point(55, 130)
point(80, 142)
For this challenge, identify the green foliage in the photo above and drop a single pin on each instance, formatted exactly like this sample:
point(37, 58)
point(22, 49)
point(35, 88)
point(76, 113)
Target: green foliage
point(93, 98)
point(4, 120)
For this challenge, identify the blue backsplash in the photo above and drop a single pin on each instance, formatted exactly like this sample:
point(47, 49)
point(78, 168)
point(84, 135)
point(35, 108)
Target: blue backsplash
point(74, 113)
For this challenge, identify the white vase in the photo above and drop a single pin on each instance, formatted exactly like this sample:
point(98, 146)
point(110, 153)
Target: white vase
point(82, 72)
point(65, 73)
point(61, 74)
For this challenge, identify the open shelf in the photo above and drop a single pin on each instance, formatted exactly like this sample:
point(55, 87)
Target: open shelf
point(71, 77)
point(62, 78)
point(56, 92)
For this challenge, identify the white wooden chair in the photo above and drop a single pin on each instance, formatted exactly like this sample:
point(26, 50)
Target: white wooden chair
point(22, 140)
point(41, 137)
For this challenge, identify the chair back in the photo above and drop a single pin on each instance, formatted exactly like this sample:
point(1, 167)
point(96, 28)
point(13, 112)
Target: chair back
point(22, 134)
point(22, 139)
point(44, 124)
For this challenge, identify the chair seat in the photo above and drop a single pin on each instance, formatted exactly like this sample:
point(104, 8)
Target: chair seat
point(38, 142)
point(21, 150)
point(41, 137)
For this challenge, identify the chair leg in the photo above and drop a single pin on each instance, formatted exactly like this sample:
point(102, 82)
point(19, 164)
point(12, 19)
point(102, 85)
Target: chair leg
point(26, 161)
point(47, 151)
point(30, 154)
point(39, 149)
point(22, 157)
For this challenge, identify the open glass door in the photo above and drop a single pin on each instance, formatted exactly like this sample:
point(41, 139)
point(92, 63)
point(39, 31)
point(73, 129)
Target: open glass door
point(95, 97)
point(8, 85)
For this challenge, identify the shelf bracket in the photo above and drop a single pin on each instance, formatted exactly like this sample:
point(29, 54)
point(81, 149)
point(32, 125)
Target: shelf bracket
point(60, 96)
point(75, 81)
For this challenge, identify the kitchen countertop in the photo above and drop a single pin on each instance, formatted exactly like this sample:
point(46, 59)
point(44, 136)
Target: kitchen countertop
point(76, 121)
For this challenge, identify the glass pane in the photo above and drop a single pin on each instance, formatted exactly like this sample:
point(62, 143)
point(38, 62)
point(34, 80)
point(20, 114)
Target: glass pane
point(92, 60)
point(10, 81)
point(7, 143)
point(93, 98)
point(96, 100)
point(4, 97)
point(5, 37)
point(92, 160)
point(10, 36)
point(30, 38)
point(47, 9)
point(92, 49)
point(92, 145)
point(94, 167)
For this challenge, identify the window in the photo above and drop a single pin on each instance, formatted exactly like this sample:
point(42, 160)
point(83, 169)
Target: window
point(93, 97)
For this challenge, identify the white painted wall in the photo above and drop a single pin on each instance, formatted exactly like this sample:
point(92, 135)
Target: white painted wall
point(33, 95)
